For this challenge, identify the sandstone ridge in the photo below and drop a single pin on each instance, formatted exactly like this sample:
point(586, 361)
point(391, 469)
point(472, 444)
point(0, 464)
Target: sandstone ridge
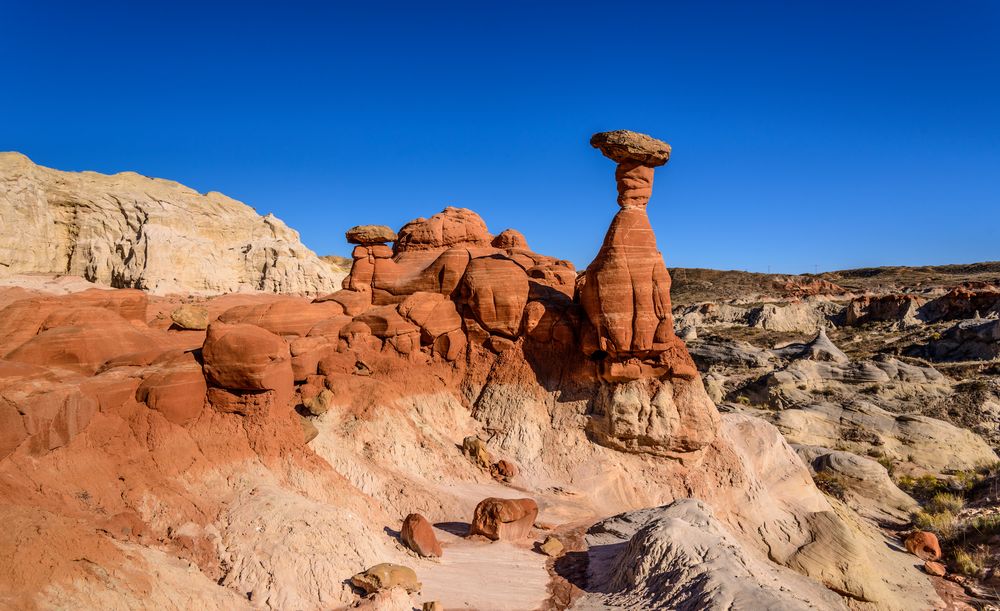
point(130, 231)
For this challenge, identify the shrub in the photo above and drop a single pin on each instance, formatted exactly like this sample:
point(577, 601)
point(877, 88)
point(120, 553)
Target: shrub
point(986, 525)
point(945, 501)
point(888, 463)
point(830, 484)
point(922, 488)
point(943, 523)
point(966, 563)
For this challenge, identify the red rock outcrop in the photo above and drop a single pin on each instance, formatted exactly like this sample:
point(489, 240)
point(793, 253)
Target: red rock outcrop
point(246, 357)
point(963, 302)
point(504, 519)
point(894, 307)
point(450, 228)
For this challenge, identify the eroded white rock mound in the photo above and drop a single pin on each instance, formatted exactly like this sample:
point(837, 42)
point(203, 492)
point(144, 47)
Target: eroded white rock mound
point(130, 231)
point(681, 557)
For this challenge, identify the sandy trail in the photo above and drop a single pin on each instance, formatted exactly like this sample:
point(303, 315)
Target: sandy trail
point(478, 574)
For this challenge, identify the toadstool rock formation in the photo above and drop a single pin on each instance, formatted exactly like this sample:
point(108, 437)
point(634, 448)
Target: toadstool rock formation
point(258, 462)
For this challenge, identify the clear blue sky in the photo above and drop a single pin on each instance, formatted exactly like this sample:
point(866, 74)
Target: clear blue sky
point(830, 134)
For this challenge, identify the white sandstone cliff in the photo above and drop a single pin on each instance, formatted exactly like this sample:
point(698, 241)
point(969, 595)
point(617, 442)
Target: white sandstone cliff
point(127, 230)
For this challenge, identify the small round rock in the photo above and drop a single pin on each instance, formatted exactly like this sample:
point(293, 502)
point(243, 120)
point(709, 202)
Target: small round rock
point(369, 235)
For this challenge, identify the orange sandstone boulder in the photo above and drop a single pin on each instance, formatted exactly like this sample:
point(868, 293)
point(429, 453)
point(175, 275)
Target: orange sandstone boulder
point(246, 357)
point(418, 535)
point(495, 290)
point(176, 390)
point(924, 545)
point(507, 519)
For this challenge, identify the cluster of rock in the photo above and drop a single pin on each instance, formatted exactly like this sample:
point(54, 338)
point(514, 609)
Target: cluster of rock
point(131, 231)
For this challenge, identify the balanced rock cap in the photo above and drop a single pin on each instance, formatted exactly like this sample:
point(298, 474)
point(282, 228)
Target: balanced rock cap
point(623, 146)
point(367, 235)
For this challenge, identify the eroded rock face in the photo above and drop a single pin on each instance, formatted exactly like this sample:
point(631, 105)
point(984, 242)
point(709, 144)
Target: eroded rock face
point(681, 553)
point(655, 416)
point(127, 230)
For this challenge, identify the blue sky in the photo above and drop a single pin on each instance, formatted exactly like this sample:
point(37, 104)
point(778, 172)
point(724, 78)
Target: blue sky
point(806, 134)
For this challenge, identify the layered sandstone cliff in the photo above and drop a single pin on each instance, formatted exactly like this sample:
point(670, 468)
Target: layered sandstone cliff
point(130, 231)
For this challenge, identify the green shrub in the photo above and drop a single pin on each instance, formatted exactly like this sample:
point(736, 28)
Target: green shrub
point(943, 523)
point(945, 501)
point(966, 563)
point(921, 488)
point(830, 484)
point(986, 525)
point(888, 463)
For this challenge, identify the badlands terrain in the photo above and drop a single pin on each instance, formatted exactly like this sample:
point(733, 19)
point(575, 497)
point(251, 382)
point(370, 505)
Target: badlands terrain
point(454, 421)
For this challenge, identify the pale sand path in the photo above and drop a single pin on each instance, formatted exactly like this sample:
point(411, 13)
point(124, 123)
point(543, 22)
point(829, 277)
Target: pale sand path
point(477, 574)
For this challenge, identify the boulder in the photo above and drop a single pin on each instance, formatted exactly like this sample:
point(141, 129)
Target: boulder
point(369, 235)
point(309, 430)
point(418, 535)
point(623, 146)
point(319, 403)
point(934, 568)
point(386, 576)
point(506, 519)
point(190, 317)
point(504, 470)
point(475, 449)
point(551, 547)
point(246, 357)
point(923, 545)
